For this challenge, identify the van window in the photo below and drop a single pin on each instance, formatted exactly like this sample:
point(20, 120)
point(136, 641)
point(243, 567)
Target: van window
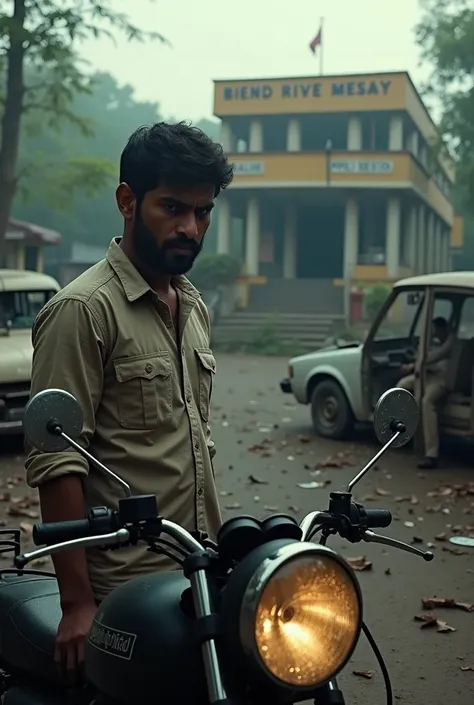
point(22, 307)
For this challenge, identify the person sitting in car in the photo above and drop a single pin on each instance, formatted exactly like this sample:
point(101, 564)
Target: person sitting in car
point(435, 387)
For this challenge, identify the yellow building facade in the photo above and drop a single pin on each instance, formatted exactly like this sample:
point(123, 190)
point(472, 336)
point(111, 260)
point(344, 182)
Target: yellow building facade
point(335, 179)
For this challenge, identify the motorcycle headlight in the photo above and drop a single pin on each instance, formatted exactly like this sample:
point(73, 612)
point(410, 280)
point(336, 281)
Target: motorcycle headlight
point(300, 613)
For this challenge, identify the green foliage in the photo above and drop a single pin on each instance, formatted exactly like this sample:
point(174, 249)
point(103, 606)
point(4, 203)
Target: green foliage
point(446, 38)
point(374, 298)
point(212, 271)
point(41, 77)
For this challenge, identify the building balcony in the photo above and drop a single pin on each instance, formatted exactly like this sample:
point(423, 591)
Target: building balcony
point(366, 170)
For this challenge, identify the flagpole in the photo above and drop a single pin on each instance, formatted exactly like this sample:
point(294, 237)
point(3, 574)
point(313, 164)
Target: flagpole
point(321, 49)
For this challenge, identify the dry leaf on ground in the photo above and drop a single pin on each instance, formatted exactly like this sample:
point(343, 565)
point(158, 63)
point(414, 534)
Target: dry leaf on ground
point(364, 674)
point(359, 563)
point(431, 603)
point(431, 620)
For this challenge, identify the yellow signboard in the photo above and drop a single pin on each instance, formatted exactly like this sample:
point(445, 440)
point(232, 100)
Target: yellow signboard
point(311, 95)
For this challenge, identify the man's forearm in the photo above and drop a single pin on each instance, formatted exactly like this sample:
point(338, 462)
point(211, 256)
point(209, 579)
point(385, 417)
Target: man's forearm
point(62, 499)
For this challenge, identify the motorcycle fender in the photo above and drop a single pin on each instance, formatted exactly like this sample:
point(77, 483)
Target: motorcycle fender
point(23, 695)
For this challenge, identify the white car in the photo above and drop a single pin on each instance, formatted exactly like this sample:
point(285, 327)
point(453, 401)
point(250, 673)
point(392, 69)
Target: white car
point(342, 383)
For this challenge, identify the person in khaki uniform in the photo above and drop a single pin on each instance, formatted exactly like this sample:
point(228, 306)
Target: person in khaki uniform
point(435, 388)
point(130, 339)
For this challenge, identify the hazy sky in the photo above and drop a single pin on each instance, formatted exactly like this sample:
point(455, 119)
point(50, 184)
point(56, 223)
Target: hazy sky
point(254, 38)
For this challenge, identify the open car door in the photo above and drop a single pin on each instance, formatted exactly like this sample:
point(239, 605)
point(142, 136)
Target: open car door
point(392, 341)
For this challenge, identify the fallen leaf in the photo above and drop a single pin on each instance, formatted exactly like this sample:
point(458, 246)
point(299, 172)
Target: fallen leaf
point(364, 674)
point(304, 439)
point(313, 485)
point(409, 524)
point(253, 479)
point(454, 551)
point(417, 539)
point(381, 492)
point(38, 562)
point(431, 620)
point(430, 603)
point(359, 563)
point(467, 668)
point(26, 528)
point(269, 508)
point(236, 505)
point(440, 537)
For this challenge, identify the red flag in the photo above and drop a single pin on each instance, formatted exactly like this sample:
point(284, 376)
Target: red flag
point(317, 41)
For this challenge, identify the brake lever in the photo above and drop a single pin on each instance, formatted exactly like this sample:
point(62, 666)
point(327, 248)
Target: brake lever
point(371, 537)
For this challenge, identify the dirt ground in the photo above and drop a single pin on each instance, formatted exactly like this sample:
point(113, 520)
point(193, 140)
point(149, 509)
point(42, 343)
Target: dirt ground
point(268, 460)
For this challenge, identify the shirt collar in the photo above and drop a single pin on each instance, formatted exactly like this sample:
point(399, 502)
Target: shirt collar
point(132, 281)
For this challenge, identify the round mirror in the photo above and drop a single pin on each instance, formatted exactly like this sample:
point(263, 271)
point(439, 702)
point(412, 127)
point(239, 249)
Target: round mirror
point(395, 405)
point(52, 404)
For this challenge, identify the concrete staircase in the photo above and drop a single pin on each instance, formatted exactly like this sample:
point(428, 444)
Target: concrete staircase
point(307, 331)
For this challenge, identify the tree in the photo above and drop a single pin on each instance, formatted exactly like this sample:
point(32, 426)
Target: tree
point(40, 38)
point(446, 37)
point(81, 214)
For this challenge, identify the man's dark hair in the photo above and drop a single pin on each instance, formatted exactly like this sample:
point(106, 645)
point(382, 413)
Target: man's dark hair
point(173, 154)
point(440, 322)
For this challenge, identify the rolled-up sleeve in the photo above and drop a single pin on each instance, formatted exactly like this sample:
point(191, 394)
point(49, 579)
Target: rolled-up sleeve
point(68, 353)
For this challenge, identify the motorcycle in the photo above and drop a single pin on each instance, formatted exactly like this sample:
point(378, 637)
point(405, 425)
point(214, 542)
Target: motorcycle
point(260, 616)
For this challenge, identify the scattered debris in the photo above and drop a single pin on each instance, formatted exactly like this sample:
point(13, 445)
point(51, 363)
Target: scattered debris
point(409, 524)
point(382, 493)
point(364, 674)
point(467, 668)
point(254, 480)
point(313, 485)
point(359, 563)
point(430, 603)
point(431, 620)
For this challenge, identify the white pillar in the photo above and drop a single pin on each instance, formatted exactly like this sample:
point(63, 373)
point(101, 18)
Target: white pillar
point(351, 237)
point(290, 243)
point(293, 136)
point(252, 236)
point(224, 221)
point(354, 134)
point(395, 134)
point(430, 244)
point(421, 238)
point(392, 237)
point(411, 239)
point(226, 136)
point(256, 136)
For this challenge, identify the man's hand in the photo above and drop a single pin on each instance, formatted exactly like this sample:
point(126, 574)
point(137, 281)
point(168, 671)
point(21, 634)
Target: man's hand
point(71, 639)
point(407, 369)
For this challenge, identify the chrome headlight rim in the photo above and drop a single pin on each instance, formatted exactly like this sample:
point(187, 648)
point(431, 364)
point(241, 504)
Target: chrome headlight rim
point(268, 568)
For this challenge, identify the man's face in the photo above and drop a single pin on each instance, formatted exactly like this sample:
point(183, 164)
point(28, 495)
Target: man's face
point(169, 226)
point(439, 332)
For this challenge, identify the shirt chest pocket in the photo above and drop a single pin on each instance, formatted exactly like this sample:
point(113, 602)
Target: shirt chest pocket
point(206, 371)
point(144, 391)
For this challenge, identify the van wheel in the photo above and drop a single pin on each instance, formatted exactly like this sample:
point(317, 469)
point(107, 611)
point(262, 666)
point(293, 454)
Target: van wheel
point(330, 411)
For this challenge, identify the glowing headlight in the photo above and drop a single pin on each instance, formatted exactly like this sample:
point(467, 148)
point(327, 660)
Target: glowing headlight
point(301, 615)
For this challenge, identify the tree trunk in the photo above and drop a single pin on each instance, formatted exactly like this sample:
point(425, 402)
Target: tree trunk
point(11, 119)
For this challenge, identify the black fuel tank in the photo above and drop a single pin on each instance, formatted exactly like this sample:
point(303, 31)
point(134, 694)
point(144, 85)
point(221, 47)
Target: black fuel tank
point(141, 647)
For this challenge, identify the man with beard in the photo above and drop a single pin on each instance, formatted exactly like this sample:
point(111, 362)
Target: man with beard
point(130, 339)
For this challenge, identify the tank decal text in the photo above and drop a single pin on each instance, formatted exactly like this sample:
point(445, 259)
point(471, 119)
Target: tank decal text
point(111, 641)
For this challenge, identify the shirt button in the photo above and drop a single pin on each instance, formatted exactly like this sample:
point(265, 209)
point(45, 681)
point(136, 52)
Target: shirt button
point(196, 445)
point(200, 492)
point(149, 368)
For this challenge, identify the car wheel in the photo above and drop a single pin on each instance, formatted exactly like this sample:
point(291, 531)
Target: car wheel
point(330, 411)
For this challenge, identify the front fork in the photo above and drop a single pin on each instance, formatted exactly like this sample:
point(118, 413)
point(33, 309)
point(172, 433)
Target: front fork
point(330, 694)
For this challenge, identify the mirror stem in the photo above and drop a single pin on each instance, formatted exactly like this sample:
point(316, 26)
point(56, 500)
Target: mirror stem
point(96, 463)
point(372, 462)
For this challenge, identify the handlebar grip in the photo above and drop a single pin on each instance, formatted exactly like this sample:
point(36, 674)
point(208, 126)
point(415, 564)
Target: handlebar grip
point(378, 518)
point(57, 532)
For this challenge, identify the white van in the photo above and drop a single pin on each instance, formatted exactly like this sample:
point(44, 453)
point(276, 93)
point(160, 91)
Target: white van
point(22, 295)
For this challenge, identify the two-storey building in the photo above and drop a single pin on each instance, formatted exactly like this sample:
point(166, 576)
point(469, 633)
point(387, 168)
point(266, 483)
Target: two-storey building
point(336, 179)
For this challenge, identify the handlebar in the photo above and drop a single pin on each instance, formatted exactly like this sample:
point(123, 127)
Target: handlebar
point(378, 518)
point(100, 520)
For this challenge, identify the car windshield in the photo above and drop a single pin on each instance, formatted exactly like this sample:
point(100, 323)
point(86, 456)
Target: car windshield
point(21, 307)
